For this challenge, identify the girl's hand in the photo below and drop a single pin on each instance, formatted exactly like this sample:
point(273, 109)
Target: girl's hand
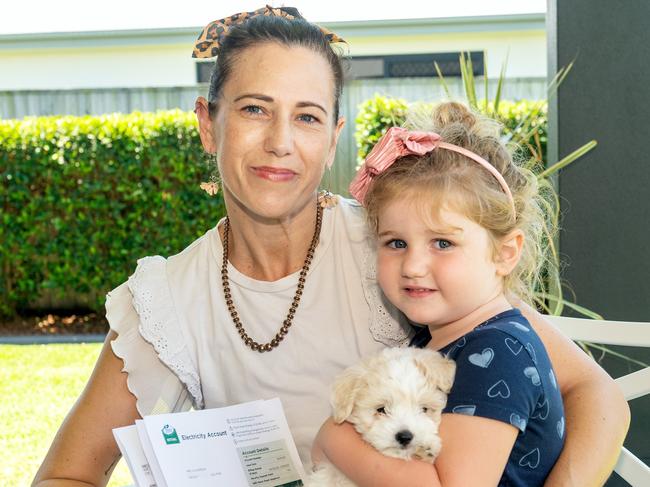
point(317, 455)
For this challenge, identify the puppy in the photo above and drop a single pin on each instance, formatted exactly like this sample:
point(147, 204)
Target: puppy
point(394, 400)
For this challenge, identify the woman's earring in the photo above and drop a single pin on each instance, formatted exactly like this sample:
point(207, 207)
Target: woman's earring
point(326, 199)
point(212, 186)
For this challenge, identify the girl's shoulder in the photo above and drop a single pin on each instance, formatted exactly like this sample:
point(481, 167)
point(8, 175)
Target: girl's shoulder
point(506, 345)
point(511, 330)
point(509, 324)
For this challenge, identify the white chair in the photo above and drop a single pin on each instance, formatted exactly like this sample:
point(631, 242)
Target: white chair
point(634, 385)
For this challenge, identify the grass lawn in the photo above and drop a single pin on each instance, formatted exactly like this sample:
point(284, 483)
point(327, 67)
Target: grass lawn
point(38, 385)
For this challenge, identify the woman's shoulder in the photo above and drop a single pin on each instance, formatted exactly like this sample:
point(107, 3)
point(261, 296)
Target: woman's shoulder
point(351, 206)
point(160, 371)
point(153, 274)
point(202, 247)
point(156, 264)
point(351, 216)
point(142, 311)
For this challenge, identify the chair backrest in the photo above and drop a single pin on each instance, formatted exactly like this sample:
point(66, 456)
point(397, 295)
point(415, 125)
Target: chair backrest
point(634, 385)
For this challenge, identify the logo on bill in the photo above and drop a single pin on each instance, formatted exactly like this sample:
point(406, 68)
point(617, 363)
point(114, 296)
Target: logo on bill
point(169, 434)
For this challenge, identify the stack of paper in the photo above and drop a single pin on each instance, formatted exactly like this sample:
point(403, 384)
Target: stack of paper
point(244, 445)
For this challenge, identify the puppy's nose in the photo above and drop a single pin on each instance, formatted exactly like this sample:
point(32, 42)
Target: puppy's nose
point(404, 437)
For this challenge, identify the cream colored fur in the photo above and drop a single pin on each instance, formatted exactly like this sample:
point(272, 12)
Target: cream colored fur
point(411, 385)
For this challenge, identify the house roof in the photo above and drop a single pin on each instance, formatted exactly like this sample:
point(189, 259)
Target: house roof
point(347, 30)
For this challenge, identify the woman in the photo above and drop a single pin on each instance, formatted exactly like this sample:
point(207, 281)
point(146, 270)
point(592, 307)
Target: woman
point(189, 329)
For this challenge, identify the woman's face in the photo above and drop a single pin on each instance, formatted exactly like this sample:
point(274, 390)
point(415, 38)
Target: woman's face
point(274, 132)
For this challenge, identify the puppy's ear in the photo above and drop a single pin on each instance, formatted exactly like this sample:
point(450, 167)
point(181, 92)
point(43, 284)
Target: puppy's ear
point(344, 393)
point(437, 369)
point(448, 369)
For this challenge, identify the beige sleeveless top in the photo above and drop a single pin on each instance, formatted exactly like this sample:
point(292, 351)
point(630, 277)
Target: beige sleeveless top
point(181, 349)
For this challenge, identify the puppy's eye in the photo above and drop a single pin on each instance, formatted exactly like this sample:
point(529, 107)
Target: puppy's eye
point(381, 410)
point(425, 409)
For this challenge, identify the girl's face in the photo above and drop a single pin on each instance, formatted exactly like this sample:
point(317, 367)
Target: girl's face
point(274, 132)
point(438, 270)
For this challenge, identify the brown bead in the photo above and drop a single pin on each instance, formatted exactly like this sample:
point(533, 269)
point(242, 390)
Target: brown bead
point(286, 324)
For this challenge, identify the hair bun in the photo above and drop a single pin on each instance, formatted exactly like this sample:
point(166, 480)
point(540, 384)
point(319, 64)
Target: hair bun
point(450, 113)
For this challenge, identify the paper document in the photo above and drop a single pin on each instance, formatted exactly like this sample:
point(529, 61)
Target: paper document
point(244, 445)
point(128, 441)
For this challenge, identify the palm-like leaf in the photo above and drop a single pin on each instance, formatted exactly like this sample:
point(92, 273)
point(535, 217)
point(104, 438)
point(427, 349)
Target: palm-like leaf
point(526, 135)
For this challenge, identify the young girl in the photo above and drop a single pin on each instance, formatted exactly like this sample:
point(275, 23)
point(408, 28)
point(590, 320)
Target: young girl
point(460, 229)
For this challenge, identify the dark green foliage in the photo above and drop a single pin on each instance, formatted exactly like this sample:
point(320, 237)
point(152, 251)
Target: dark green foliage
point(84, 197)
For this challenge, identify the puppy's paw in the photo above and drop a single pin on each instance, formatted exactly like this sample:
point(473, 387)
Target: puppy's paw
point(430, 452)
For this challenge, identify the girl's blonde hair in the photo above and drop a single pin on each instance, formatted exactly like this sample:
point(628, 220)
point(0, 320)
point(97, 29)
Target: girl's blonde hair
point(446, 180)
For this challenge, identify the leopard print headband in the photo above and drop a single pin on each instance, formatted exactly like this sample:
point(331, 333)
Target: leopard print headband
point(209, 41)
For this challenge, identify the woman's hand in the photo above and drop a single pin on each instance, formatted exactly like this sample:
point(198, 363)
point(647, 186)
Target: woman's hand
point(597, 414)
point(84, 451)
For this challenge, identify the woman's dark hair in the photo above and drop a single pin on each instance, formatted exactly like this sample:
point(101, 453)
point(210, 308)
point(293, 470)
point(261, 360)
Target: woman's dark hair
point(261, 29)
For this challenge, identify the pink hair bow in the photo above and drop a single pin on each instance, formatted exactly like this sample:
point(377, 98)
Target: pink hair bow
point(398, 142)
point(394, 144)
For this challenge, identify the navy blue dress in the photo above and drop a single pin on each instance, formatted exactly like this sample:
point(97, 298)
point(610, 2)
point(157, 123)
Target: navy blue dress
point(503, 372)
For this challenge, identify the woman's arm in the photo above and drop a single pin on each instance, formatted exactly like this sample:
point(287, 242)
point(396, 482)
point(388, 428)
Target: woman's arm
point(597, 415)
point(84, 451)
point(474, 452)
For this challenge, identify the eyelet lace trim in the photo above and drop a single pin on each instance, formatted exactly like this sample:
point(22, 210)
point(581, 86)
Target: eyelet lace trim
point(152, 301)
point(384, 326)
point(387, 325)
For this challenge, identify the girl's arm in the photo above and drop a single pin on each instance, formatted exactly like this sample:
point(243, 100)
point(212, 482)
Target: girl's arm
point(342, 446)
point(597, 415)
point(84, 451)
point(474, 452)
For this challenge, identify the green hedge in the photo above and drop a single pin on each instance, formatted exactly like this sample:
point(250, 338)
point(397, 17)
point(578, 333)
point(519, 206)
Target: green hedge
point(378, 114)
point(375, 117)
point(84, 197)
